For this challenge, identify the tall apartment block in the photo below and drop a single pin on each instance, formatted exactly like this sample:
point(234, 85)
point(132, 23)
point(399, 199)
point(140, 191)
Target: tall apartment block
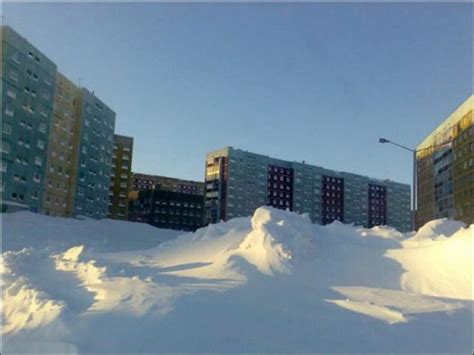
point(93, 158)
point(57, 138)
point(445, 160)
point(27, 104)
point(238, 182)
point(121, 177)
point(61, 150)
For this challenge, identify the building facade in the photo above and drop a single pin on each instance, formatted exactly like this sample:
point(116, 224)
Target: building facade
point(142, 182)
point(167, 209)
point(28, 86)
point(61, 151)
point(445, 168)
point(121, 177)
point(57, 138)
point(238, 182)
point(94, 143)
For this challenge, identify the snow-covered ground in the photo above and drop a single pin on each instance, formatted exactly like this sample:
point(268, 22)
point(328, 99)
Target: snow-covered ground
point(270, 283)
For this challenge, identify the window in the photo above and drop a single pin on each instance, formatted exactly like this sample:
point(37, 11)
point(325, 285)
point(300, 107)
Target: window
point(7, 129)
point(14, 75)
point(11, 93)
point(42, 127)
point(36, 177)
point(40, 144)
point(38, 161)
point(5, 147)
point(16, 57)
point(34, 195)
point(9, 111)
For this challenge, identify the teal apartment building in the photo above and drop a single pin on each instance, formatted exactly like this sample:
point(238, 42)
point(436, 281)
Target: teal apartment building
point(93, 160)
point(27, 103)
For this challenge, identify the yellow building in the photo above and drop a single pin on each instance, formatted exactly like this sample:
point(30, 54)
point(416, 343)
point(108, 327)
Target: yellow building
point(445, 160)
point(121, 177)
point(60, 155)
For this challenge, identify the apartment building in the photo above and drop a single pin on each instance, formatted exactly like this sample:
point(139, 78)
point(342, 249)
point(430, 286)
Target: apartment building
point(238, 182)
point(93, 158)
point(445, 169)
point(60, 153)
point(28, 88)
point(121, 177)
point(167, 209)
point(167, 202)
point(146, 181)
point(57, 138)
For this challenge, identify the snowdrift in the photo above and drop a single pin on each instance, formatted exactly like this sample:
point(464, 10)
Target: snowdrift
point(272, 282)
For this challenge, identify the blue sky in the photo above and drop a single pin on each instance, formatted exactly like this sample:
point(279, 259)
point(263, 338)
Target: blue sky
point(319, 82)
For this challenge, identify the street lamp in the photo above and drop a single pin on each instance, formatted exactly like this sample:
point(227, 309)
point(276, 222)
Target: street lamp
point(413, 203)
point(414, 151)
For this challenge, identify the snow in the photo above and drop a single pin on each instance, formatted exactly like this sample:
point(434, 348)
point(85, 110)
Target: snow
point(272, 282)
point(438, 264)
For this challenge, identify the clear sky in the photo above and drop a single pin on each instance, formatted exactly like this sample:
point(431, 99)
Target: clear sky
point(319, 82)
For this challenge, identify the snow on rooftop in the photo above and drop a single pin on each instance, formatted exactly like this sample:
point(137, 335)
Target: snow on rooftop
point(272, 282)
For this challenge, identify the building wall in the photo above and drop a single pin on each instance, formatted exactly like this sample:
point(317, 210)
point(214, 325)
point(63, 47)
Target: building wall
point(27, 103)
point(121, 177)
point(425, 188)
point(356, 199)
point(93, 155)
point(168, 209)
point(146, 181)
point(238, 182)
point(60, 149)
point(446, 173)
point(142, 182)
point(398, 206)
point(463, 168)
point(56, 138)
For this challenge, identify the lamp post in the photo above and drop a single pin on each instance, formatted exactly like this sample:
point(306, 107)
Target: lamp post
point(414, 204)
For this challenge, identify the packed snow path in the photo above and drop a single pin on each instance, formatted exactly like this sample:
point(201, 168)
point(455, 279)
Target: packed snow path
point(270, 283)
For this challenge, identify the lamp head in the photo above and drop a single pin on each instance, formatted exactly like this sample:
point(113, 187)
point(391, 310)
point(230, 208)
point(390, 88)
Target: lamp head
point(383, 140)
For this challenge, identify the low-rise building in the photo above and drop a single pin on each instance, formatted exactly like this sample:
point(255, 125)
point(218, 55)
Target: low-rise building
point(142, 182)
point(167, 209)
